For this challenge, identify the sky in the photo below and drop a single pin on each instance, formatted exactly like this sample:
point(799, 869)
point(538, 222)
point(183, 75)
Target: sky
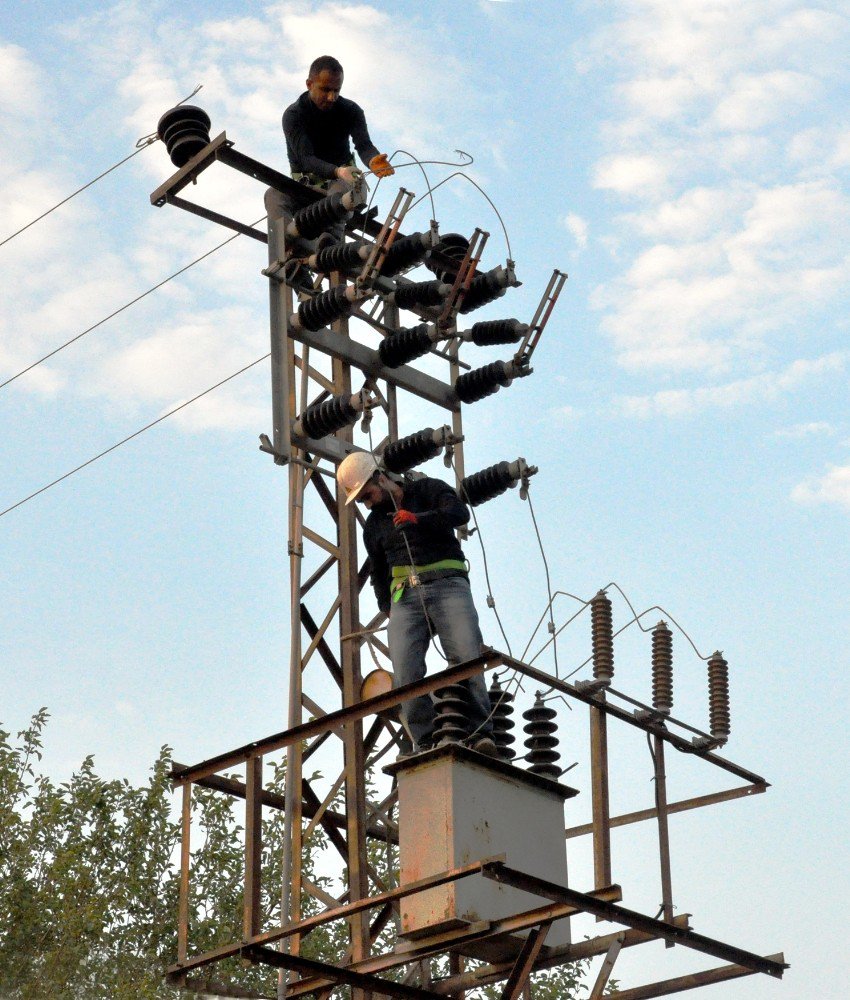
point(687, 164)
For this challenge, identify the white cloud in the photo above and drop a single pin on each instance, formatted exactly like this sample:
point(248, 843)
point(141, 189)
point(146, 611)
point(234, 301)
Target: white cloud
point(755, 100)
point(698, 303)
point(831, 488)
point(757, 388)
point(630, 174)
point(800, 431)
point(739, 210)
point(577, 227)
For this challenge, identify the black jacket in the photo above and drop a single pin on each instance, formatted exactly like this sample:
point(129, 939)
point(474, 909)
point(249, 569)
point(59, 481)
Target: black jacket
point(317, 141)
point(439, 511)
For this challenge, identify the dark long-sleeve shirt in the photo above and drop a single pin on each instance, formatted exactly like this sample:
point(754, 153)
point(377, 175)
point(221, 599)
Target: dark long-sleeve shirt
point(317, 141)
point(439, 511)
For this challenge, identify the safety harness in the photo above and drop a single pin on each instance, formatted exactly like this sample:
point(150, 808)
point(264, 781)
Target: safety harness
point(412, 576)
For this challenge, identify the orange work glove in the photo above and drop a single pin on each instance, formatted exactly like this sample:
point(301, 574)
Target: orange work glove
point(380, 165)
point(403, 517)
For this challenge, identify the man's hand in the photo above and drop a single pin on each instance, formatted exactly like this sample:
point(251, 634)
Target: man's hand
point(346, 174)
point(380, 166)
point(404, 517)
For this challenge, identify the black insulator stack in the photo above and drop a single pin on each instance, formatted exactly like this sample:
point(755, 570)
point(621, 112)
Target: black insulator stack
point(487, 484)
point(421, 293)
point(328, 416)
point(484, 288)
point(541, 743)
point(185, 130)
point(662, 669)
point(602, 630)
point(451, 708)
point(453, 246)
point(481, 382)
point(324, 308)
point(339, 257)
point(404, 345)
point(313, 219)
point(497, 331)
point(503, 710)
point(405, 252)
point(401, 455)
point(718, 697)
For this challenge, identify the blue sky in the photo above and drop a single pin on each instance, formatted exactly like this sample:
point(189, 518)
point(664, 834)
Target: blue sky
point(686, 164)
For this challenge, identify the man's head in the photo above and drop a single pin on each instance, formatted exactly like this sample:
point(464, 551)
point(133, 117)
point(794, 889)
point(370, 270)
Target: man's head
point(363, 481)
point(324, 82)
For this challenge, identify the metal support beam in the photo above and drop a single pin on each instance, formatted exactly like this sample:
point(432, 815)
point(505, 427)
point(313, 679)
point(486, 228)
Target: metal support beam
point(683, 805)
point(631, 918)
point(599, 795)
point(525, 962)
point(607, 967)
point(253, 845)
point(663, 833)
point(722, 974)
point(341, 976)
point(371, 706)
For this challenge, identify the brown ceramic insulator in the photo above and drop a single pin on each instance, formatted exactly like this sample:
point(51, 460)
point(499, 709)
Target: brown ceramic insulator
point(662, 669)
point(718, 697)
point(602, 631)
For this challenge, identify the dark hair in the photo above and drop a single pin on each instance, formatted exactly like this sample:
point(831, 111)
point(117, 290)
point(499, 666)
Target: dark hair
point(324, 63)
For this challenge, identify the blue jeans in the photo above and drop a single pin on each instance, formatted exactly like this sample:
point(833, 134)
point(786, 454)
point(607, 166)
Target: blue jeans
point(453, 617)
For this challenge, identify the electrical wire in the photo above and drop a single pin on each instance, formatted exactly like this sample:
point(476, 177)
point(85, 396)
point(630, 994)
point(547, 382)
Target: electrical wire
point(127, 305)
point(558, 593)
point(475, 184)
point(141, 144)
point(548, 582)
point(130, 437)
point(491, 601)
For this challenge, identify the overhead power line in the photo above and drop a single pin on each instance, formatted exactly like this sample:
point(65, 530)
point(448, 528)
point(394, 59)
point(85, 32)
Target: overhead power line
point(143, 143)
point(127, 305)
point(148, 142)
point(130, 437)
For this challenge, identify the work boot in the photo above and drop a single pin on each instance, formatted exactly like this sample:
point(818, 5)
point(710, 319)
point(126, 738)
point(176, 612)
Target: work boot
point(484, 745)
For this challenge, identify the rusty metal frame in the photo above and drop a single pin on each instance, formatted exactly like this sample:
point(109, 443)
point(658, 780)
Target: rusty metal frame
point(326, 639)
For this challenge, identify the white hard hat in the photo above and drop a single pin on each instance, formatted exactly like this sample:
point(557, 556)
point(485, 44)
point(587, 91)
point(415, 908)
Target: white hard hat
point(354, 471)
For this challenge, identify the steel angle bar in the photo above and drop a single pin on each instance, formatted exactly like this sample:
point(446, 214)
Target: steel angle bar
point(340, 912)
point(647, 726)
point(525, 962)
point(342, 976)
point(414, 951)
point(693, 981)
point(683, 805)
point(607, 967)
point(371, 706)
point(631, 918)
point(486, 975)
point(218, 218)
point(369, 361)
point(190, 170)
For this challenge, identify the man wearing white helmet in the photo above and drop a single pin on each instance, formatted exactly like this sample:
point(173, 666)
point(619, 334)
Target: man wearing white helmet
point(419, 575)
